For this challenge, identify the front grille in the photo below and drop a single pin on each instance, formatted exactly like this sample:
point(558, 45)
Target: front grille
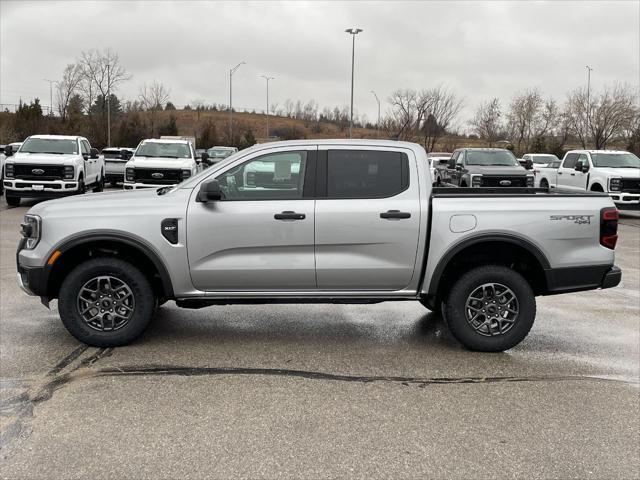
point(631, 185)
point(49, 172)
point(169, 177)
point(519, 181)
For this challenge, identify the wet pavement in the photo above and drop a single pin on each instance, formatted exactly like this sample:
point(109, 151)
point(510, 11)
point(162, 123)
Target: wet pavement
point(310, 391)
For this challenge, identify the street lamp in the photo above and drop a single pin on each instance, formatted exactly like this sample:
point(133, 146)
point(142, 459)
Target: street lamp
point(378, 123)
point(231, 72)
point(108, 105)
point(353, 32)
point(267, 79)
point(51, 82)
point(589, 69)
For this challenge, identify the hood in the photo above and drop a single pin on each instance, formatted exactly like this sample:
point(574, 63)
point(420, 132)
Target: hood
point(159, 162)
point(618, 172)
point(497, 170)
point(92, 201)
point(46, 158)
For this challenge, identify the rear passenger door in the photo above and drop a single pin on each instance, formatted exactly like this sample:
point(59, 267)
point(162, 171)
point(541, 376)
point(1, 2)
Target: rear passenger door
point(367, 220)
point(567, 172)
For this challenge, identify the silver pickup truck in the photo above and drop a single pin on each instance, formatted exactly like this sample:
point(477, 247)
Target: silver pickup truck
point(333, 221)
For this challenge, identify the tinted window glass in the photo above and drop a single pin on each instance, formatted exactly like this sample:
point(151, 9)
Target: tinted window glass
point(49, 145)
point(570, 161)
point(276, 176)
point(366, 173)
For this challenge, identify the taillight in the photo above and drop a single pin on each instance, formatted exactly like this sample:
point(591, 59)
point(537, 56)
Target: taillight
point(609, 227)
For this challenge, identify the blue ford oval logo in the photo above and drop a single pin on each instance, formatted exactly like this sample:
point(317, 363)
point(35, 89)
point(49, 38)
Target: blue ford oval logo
point(37, 171)
point(505, 183)
point(157, 176)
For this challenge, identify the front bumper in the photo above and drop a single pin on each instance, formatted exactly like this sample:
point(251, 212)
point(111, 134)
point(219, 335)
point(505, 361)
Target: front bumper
point(38, 189)
point(626, 201)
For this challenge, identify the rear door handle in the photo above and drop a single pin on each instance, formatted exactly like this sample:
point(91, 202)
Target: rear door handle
point(395, 214)
point(559, 173)
point(289, 215)
point(573, 174)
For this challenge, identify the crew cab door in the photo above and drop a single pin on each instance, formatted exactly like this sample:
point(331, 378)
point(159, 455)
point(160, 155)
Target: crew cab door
point(367, 218)
point(90, 164)
point(260, 236)
point(567, 173)
point(457, 160)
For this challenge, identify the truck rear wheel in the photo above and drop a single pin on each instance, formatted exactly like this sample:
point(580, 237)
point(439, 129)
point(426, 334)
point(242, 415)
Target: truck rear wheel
point(12, 201)
point(106, 302)
point(490, 309)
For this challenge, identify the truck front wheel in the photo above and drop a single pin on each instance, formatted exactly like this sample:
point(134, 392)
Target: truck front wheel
point(490, 309)
point(12, 201)
point(106, 302)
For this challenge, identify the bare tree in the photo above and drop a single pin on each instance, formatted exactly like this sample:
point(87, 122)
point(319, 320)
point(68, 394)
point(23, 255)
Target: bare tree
point(487, 121)
point(576, 115)
point(153, 98)
point(102, 72)
point(67, 87)
point(440, 106)
point(523, 113)
point(403, 117)
point(612, 113)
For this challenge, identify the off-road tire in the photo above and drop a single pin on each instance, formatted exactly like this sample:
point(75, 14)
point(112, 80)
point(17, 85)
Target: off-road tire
point(99, 187)
point(68, 305)
point(454, 308)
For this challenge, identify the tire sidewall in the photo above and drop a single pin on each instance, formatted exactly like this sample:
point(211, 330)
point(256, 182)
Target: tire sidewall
point(455, 308)
point(143, 296)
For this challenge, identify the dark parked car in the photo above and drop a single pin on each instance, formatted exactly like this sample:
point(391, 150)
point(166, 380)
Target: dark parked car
point(486, 167)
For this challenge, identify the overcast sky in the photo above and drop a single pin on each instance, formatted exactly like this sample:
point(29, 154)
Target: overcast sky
point(479, 49)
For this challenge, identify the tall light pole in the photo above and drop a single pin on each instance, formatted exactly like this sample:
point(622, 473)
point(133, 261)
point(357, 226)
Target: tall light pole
point(267, 79)
point(51, 82)
point(231, 72)
point(108, 105)
point(353, 32)
point(378, 122)
point(589, 69)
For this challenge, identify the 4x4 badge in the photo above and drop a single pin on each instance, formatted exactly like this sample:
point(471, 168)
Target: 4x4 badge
point(579, 219)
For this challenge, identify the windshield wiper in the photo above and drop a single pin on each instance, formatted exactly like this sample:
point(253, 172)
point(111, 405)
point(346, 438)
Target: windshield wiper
point(166, 156)
point(163, 190)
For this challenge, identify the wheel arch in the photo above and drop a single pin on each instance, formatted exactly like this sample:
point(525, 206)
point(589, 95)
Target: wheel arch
point(490, 248)
point(137, 251)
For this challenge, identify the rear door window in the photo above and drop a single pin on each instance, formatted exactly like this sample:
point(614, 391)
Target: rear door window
point(366, 173)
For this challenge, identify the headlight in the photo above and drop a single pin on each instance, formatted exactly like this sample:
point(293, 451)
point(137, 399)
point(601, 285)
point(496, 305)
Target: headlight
point(476, 180)
point(130, 175)
point(530, 180)
point(186, 174)
point(615, 184)
point(31, 230)
point(8, 170)
point(69, 172)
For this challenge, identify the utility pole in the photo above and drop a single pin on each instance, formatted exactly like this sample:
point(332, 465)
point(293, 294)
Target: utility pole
point(589, 69)
point(353, 32)
point(108, 105)
point(51, 82)
point(231, 72)
point(267, 79)
point(378, 122)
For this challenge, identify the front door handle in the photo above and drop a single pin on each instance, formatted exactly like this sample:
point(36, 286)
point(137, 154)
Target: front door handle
point(395, 214)
point(289, 215)
point(573, 174)
point(559, 173)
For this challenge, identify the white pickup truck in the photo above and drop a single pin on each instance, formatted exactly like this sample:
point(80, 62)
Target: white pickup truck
point(51, 166)
point(614, 172)
point(159, 162)
point(318, 221)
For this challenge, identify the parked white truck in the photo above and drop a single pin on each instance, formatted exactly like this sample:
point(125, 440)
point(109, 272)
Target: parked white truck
point(160, 161)
point(318, 221)
point(614, 172)
point(51, 166)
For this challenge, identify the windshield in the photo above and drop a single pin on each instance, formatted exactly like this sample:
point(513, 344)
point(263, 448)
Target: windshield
point(544, 159)
point(57, 146)
point(163, 150)
point(615, 160)
point(491, 157)
point(219, 152)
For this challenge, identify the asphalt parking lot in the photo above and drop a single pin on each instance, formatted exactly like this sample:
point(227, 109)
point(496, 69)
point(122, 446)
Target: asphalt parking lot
point(323, 391)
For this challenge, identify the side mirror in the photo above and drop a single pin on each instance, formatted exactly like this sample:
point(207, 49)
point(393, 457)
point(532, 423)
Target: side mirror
point(93, 153)
point(451, 163)
point(209, 192)
point(581, 167)
point(528, 164)
point(8, 151)
point(205, 158)
point(459, 167)
point(585, 168)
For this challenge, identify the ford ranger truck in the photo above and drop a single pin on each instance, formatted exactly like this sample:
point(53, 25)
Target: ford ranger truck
point(486, 167)
point(160, 162)
point(614, 172)
point(317, 221)
point(52, 166)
